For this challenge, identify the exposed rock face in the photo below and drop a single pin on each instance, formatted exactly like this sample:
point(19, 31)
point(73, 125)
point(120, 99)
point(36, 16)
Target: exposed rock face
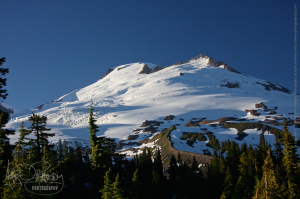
point(154, 123)
point(191, 124)
point(39, 107)
point(150, 129)
point(157, 68)
point(253, 112)
point(271, 86)
point(170, 117)
point(145, 69)
point(272, 112)
point(215, 63)
point(261, 105)
point(109, 71)
point(132, 137)
point(232, 85)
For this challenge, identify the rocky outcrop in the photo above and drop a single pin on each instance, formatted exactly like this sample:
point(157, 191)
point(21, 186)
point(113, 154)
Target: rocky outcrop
point(272, 112)
point(109, 71)
point(154, 123)
point(157, 68)
point(39, 107)
point(191, 124)
point(151, 129)
point(253, 112)
point(170, 117)
point(145, 69)
point(232, 85)
point(261, 105)
point(271, 86)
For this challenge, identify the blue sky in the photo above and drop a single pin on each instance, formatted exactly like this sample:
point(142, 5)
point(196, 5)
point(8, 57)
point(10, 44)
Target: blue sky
point(54, 47)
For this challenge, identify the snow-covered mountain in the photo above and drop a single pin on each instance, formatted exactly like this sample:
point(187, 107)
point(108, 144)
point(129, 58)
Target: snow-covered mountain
point(197, 92)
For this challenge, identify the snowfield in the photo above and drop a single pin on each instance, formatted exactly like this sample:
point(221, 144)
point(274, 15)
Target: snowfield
point(124, 99)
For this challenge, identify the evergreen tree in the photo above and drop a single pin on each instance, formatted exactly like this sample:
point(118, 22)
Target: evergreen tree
point(117, 190)
point(228, 186)
point(60, 155)
point(38, 126)
point(3, 72)
point(108, 189)
point(290, 164)
point(136, 190)
point(268, 186)
point(5, 147)
point(173, 170)
point(246, 180)
point(19, 163)
point(65, 153)
point(179, 159)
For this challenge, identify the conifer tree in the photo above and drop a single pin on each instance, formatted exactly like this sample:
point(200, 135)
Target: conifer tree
point(117, 190)
point(38, 126)
point(173, 170)
point(49, 160)
point(60, 155)
point(157, 166)
point(136, 190)
point(268, 186)
point(5, 147)
point(3, 72)
point(228, 186)
point(108, 189)
point(65, 153)
point(179, 159)
point(290, 164)
point(19, 163)
point(246, 180)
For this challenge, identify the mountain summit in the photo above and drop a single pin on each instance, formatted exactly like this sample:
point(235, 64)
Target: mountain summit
point(200, 95)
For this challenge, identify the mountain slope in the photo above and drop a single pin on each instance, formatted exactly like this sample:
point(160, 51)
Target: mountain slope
point(190, 90)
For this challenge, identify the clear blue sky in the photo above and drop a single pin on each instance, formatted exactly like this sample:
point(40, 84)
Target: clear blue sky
point(54, 47)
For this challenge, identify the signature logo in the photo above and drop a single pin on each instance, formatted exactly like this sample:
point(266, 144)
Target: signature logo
point(34, 180)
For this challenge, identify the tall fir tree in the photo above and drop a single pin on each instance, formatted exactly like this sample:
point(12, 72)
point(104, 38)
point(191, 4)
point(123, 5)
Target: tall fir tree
point(289, 161)
point(38, 126)
point(3, 72)
point(268, 186)
point(5, 147)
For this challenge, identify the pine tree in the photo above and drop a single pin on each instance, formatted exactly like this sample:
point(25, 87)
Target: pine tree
point(228, 186)
point(65, 153)
point(3, 72)
point(246, 180)
point(19, 163)
point(268, 186)
point(60, 155)
point(136, 190)
point(290, 164)
point(38, 126)
point(179, 159)
point(173, 170)
point(5, 147)
point(117, 190)
point(108, 189)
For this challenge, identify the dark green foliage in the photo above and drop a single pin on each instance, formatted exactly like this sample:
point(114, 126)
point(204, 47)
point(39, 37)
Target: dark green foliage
point(191, 138)
point(5, 147)
point(213, 142)
point(38, 126)
point(3, 72)
point(250, 125)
